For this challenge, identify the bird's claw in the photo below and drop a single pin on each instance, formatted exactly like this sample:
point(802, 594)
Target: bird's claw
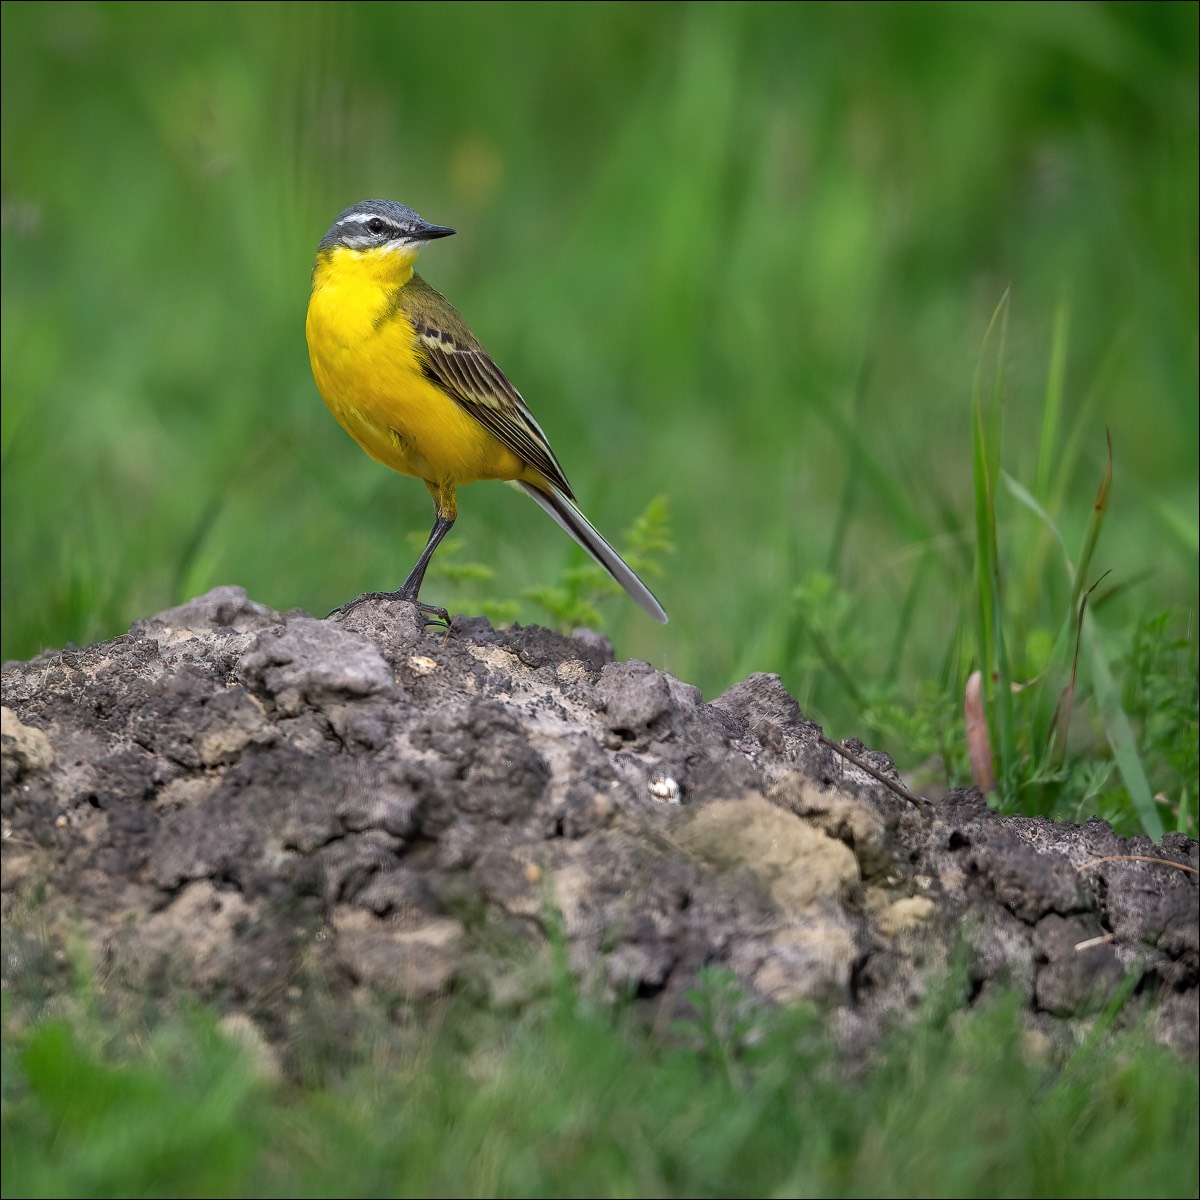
point(433, 615)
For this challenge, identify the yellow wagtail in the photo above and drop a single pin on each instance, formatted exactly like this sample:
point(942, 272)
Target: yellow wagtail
point(410, 383)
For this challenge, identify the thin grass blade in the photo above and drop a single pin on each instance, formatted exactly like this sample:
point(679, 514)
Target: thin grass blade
point(1119, 732)
point(1095, 524)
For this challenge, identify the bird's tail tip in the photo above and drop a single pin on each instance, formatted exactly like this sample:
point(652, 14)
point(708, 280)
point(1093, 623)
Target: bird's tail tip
point(581, 529)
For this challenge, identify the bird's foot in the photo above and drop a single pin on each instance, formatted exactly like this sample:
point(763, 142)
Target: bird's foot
point(432, 613)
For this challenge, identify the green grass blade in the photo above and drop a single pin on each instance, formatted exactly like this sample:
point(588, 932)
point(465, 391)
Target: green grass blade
point(1095, 524)
point(1180, 524)
point(987, 435)
point(1023, 496)
point(1048, 459)
point(1120, 735)
point(876, 473)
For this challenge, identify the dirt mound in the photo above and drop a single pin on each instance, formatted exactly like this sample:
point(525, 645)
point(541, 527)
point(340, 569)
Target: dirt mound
point(247, 804)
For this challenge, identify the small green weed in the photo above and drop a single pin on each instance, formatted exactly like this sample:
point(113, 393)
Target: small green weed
point(575, 599)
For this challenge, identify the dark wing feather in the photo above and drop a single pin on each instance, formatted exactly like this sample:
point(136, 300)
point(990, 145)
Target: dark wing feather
point(452, 357)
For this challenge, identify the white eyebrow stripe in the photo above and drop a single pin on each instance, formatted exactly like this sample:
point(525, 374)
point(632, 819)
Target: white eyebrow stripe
point(395, 232)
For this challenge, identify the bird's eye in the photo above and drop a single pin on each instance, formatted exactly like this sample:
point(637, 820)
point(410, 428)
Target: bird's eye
point(375, 225)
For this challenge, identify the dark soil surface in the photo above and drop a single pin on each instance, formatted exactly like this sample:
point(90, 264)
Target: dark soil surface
point(255, 808)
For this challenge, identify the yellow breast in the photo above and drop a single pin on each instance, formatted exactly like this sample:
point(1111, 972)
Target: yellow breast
point(364, 360)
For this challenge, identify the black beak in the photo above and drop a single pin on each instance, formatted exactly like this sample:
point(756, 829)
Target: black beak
point(429, 232)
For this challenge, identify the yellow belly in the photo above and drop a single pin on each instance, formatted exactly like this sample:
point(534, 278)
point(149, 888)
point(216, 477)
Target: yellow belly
point(369, 377)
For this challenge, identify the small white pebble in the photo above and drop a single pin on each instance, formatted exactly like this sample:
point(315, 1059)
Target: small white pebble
point(665, 788)
point(419, 664)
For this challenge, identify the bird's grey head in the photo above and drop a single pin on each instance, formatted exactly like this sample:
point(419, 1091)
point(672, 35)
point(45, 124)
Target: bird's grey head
point(378, 225)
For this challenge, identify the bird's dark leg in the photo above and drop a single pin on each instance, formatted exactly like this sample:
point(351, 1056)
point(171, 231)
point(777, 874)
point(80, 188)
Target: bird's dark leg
point(412, 585)
point(445, 511)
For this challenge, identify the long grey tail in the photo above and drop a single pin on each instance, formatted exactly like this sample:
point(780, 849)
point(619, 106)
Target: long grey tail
point(578, 526)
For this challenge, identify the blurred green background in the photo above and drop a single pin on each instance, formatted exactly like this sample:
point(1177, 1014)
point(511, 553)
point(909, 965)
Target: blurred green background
point(742, 256)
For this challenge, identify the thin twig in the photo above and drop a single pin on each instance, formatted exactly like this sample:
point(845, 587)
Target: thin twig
point(1162, 862)
point(898, 788)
